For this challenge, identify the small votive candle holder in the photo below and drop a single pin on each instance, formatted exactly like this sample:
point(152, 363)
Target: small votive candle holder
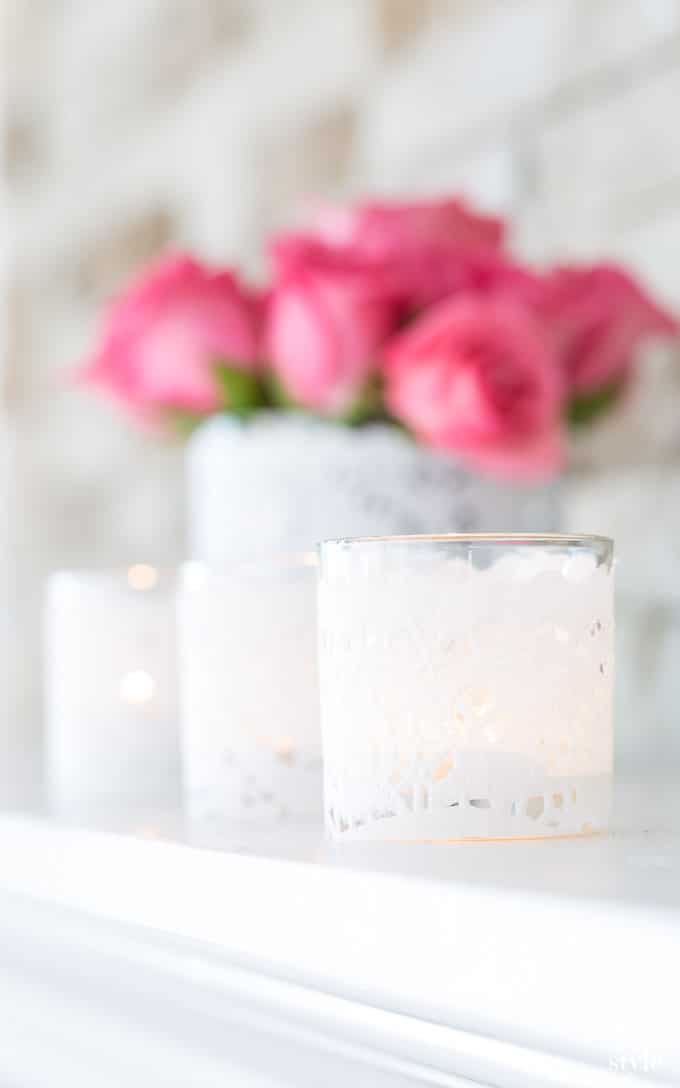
point(466, 686)
point(249, 691)
point(110, 689)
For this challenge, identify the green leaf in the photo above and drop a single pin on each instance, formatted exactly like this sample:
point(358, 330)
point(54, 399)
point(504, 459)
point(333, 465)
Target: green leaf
point(276, 394)
point(368, 407)
point(184, 423)
point(241, 391)
point(583, 409)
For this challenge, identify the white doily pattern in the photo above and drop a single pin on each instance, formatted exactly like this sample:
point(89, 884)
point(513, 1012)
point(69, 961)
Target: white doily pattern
point(460, 702)
point(282, 482)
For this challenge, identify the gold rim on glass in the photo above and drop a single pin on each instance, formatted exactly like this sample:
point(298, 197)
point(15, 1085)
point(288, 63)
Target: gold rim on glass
point(556, 539)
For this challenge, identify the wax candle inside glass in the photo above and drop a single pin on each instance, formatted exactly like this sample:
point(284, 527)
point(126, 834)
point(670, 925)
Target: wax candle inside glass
point(111, 697)
point(249, 690)
point(466, 686)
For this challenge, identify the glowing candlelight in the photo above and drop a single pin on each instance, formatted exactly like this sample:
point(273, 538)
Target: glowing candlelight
point(248, 670)
point(111, 700)
point(466, 686)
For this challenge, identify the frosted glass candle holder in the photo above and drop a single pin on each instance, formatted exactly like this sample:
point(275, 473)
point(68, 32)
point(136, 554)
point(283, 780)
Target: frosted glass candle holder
point(110, 689)
point(466, 686)
point(249, 689)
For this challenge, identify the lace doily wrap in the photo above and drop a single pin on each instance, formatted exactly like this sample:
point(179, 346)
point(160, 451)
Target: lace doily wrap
point(250, 701)
point(282, 482)
point(460, 702)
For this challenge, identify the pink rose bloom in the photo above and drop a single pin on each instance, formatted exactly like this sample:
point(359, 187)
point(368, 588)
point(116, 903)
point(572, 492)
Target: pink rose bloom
point(412, 281)
point(600, 316)
point(328, 317)
point(164, 336)
point(475, 375)
point(490, 273)
point(379, 230)
point(420, 250)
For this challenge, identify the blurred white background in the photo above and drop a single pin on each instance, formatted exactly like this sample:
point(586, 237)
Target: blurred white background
point(139, 124)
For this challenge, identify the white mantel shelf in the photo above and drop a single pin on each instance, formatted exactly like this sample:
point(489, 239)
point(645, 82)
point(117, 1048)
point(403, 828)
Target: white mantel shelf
point(134, 957)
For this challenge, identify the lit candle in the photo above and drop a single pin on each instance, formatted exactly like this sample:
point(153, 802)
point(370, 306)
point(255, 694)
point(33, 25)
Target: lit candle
point(248, 672)
point(111, 699)
point(466, 686)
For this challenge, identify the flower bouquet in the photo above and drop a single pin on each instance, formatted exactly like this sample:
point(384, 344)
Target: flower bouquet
point(405, 335)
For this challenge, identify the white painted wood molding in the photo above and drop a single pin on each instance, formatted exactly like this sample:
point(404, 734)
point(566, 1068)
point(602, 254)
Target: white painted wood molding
point(147, 961)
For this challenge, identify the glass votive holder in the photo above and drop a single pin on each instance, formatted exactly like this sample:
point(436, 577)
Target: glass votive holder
point(111, 703)
point(466, 686)
point(251, 741)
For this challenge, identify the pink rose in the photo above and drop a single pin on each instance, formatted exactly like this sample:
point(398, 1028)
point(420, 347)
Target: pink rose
point(164, 337)
point(420, 250)
point(379, 230)
point(475, 375)
point(415, 279)
point(490, 273)
point(328, 317)
point(600, 315)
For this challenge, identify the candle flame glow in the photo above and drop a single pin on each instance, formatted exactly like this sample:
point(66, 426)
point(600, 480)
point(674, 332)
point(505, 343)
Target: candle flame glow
point(142, 576)
point(137, 687)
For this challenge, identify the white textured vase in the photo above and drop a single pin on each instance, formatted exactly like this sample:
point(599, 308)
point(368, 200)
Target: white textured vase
point(282, 481)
